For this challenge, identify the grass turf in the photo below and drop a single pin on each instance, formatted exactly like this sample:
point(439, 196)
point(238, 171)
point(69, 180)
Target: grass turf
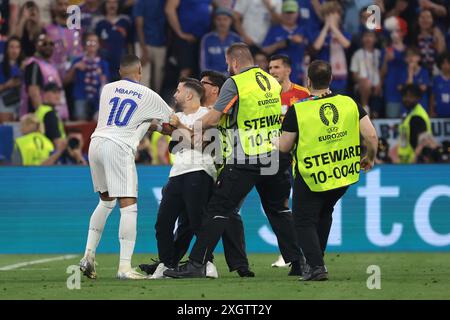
point(403, 276)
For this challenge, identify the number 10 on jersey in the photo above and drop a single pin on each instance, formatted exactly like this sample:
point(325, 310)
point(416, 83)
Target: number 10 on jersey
point(118, 109)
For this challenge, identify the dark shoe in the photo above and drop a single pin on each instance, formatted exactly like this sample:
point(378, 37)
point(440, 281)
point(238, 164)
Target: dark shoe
point(318, 273)
point(150, 268)
point(296, 269)
point(189, 270)
point(245, 272)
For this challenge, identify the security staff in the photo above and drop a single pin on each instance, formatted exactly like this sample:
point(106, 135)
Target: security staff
point(249, 106)
point(48, 117)
point(34, 148)
point(413, 125)
point(325, 130)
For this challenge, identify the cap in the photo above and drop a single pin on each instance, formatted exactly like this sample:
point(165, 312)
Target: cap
point(289, 6)
point(223, 11)
point(52, 86)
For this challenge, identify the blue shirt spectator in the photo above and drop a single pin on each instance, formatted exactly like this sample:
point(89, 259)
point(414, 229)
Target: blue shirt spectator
point(79, 87)
point(114, 32)
point(213, 51)
point(114, 39)
point(195, 17)
point(392, 78)
point(293, 50)
point(308, 16)
point(214, 44)
point(154, 21)
point(339, 83)
point(421, 78)
point(441, 93)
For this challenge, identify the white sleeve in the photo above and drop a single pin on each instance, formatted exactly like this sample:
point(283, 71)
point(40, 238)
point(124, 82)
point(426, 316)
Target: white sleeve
point(160, 108)
point(241, 6)
point(278, 4)
point(354, 65)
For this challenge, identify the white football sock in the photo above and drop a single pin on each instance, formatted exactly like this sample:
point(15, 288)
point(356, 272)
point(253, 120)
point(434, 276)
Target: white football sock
point(127, 235)
point(96, 226)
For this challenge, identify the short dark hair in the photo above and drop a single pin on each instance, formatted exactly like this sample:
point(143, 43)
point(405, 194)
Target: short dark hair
point(445, 56)
point(412, 88)
point(194, 85)
point(129, 60)
point(412, 50)
point(217, 78)
point(286, 60)
point(319, 72)
point(240, 51)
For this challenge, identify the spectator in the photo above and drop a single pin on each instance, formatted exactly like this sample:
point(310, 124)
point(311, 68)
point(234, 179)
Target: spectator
point(405, 9)
point(415, 73)
point(353, 11)
point(150, 23)
point(289, 39)
point(39, 72)
point(280, 68)
point(34, 148)
point(89, 73)
point(90, 9)
point(67, 42)
point(330, 44)
point(211, 81)
point(5, 9)
point(114, 31)
point(214, 44)
point(253, 19)
point(440, 101)
point(44, 7)
point(51, 124)
point(365, 67)
point(393, 64)
point(190, 21)
point(310, 14)
point(415, 122)
point(29, 27)
point(10, 75)
point(429, 39)
point(439, 9)
point(73, 155)
point(261, 59)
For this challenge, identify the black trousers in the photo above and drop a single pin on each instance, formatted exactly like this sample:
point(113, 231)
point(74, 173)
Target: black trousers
point(233, 240)
point(313, 218)
point(233, 185)
point(185, 198)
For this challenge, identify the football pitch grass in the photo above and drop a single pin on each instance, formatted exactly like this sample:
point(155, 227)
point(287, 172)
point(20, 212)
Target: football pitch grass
point(403, 276)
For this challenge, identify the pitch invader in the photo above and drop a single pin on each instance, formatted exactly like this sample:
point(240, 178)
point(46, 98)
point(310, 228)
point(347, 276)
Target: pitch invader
point(126, 112)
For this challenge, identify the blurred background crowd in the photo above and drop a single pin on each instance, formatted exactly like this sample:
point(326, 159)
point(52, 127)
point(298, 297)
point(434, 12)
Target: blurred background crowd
point(51, 74)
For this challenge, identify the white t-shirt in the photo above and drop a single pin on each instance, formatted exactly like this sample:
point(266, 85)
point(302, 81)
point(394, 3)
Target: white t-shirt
point(367, 65)
point(190, 160)
point(125, 112)
point(256, 19)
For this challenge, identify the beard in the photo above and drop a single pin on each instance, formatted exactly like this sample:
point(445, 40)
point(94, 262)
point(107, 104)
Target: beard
point(178, 106)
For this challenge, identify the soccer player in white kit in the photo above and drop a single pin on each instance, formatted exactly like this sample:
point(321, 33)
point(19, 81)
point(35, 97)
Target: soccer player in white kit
point(126, 112)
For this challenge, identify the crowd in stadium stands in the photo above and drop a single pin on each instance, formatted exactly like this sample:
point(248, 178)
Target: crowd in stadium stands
point(51, 74)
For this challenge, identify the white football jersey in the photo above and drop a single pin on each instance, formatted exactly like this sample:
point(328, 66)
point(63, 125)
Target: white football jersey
point(126, 110)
